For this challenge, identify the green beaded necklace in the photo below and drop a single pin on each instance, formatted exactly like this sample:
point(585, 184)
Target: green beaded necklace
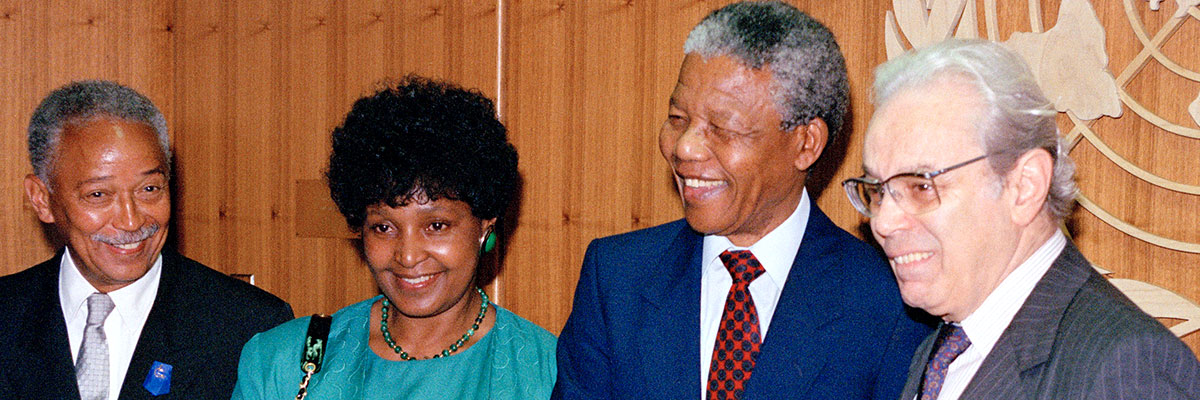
point(387, 336)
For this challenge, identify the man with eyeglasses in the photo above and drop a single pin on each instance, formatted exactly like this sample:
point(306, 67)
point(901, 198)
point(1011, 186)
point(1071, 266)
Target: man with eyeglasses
point(966, 183)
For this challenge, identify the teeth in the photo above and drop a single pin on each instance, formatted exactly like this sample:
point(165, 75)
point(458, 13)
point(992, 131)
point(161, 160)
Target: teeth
point(911, 258)
point(129, 246)
point(415, 281)
point(699, 183)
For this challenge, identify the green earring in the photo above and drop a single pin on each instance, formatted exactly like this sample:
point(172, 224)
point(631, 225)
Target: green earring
point(489, 243)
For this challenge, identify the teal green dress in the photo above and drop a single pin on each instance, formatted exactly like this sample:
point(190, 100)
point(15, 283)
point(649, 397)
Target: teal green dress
point(515, 360)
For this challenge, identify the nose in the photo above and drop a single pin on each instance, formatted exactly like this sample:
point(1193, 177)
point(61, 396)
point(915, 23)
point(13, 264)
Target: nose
point(888, 218)
point(411, 251)
point(129, 216)
point(690, 145)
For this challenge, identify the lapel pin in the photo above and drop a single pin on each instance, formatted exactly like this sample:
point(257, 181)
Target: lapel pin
point(158, 381)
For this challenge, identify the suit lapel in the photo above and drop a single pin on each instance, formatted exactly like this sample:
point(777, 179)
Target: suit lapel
point(157, 342)
point(48, 340)
point(670, 339)
point(1012, 366)
point(916, 369)
point(794, 350)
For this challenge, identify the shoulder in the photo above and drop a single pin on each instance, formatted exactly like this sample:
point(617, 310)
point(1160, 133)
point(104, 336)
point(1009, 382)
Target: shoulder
point(631, 250)
point(216, 292)
point(286, 340)
point(15, 289)
point(278, 340)
point(1107, 343)
point(215, 283)
point(27, 298)
point(17, 283)
point(523, 356)
point(513, 327)
point(855, 265)
point(1100, 314)
point(826, 239)
point(648, 238)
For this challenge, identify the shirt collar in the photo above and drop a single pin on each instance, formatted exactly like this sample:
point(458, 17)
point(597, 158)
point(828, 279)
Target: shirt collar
point(130, 301)
point(988, 322)
point(776, 251)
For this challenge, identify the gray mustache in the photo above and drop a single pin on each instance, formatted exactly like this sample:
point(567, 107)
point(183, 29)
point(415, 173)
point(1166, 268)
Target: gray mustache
point(128, 237)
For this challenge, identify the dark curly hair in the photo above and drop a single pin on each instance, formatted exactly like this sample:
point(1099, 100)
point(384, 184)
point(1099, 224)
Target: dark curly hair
point(418, 136)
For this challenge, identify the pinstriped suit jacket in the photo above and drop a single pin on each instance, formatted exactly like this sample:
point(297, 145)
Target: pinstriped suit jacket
point(1078, 337)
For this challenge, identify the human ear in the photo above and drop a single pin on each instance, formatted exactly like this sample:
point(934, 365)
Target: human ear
point(1030, 182)
point(488, 226)
point(811, 140)
point(39, 196)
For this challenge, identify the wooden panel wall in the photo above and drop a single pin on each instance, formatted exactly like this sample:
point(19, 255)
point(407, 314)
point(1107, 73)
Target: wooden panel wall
point(251, 89)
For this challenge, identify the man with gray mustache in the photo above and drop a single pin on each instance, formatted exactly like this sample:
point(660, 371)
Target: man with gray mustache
point(115, 314)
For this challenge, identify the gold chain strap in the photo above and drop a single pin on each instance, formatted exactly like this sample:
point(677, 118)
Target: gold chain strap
point(314, 350)
point(304, 385)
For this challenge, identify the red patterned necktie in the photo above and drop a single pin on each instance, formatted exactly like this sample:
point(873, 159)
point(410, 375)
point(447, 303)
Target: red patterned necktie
point(951, 341)
point(738, 338)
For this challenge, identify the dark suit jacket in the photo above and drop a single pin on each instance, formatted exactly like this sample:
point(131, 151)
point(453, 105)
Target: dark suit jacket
point(1078, 337)
point(839, 331)
point(198, 323)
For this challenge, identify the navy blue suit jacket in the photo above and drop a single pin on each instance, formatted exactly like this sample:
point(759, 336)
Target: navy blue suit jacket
point(840, 330)
point(198, 323)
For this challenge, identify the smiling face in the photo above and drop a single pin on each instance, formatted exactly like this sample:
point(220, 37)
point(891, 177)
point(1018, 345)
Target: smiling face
point(949, 259)
point(108, 197)
point(424, 253)
point(739, 175)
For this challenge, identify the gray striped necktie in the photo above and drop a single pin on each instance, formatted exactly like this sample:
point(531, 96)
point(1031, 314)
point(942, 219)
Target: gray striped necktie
point(91, 367)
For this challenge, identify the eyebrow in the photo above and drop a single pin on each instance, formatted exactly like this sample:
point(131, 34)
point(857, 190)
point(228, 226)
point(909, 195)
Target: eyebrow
point(154, 171)
point(917, 169)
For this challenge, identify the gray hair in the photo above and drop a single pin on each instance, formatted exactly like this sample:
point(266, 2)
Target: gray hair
point(1018, 117)
point(801, 54)
point(84, 101)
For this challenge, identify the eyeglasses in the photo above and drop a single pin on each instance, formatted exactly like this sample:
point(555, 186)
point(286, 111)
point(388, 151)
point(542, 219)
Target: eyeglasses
point(914, 192)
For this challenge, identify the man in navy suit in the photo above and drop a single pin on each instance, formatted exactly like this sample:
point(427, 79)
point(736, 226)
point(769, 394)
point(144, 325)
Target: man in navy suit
point(115, 314)
point(758, 294)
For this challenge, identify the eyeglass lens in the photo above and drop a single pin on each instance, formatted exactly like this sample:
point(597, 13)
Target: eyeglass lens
point(914, 194)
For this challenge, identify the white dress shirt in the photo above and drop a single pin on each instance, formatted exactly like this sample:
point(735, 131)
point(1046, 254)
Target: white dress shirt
point(988, 322)
point(776, 252)
point(123, 326)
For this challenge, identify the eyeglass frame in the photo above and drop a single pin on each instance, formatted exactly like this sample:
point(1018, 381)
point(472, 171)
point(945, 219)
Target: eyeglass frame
point(848, 186)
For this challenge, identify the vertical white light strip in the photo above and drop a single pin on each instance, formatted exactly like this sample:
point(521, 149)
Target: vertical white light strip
point(499, 108)
point(499, 56)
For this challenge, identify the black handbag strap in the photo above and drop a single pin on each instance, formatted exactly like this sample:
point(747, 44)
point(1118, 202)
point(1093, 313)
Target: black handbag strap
point(314, 350)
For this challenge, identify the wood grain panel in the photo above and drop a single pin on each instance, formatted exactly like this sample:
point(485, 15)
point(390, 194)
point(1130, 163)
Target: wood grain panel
point(539, 104)
point(251, 89)
point(21, 34)
point(47, 44)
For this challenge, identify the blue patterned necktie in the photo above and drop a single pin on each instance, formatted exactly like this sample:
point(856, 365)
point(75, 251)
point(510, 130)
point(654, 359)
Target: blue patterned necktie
point(738, 338)
point(91, 367)
point(950, 343)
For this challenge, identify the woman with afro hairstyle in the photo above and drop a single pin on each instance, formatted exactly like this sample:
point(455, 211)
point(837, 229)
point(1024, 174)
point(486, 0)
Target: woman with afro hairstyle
point(423, 171)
